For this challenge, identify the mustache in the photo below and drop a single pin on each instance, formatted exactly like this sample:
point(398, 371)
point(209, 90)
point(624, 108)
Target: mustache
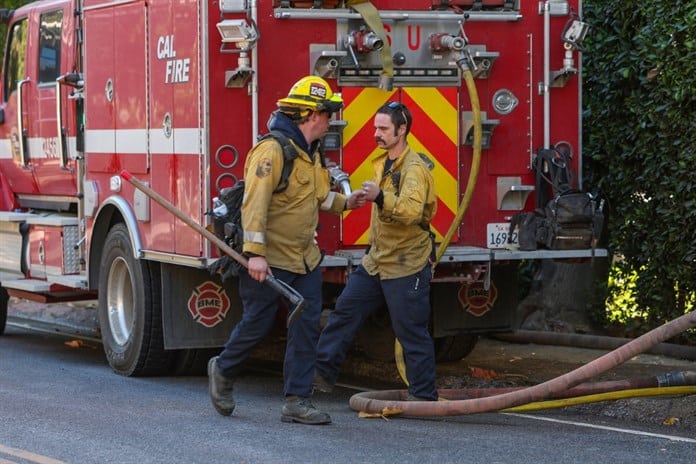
point(379, 139)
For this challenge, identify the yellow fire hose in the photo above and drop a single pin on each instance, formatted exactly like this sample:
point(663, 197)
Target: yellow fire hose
point(475, 165)
point(597, 397)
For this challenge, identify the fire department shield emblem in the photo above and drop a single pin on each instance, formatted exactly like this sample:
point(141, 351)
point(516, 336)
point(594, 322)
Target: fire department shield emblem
point(475, 299)
point(208, 304)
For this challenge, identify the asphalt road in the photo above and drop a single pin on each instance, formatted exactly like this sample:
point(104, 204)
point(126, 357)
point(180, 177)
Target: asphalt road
point(61, 403)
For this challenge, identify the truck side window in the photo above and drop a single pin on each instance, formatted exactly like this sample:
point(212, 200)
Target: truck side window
point(49, 46)
point(16, 57)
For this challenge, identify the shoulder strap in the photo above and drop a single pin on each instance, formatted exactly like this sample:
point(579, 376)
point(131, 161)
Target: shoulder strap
point(552, 169)
point(428, 162)
point(289, 155)
point(396, 176)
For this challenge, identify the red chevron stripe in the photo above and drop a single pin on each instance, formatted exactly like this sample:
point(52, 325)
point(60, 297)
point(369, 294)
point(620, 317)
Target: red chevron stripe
point(361, 145)
point(443, 218)
point(355, 224)
point(426, 129)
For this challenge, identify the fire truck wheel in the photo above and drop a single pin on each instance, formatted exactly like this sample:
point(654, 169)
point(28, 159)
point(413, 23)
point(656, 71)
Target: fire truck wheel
point(130, 313)
point(454, 347)
point(193, 361)
point(4, 300)
point(376, 340)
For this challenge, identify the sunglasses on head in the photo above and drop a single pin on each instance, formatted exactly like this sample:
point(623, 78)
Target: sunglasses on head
point(396, 106)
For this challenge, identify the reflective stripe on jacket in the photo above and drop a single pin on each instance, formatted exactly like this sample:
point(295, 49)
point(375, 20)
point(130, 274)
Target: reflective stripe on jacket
point(399, 241)
point(281, 226)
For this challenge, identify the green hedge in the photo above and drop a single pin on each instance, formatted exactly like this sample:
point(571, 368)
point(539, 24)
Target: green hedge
point(640, 143)
point(9, 4)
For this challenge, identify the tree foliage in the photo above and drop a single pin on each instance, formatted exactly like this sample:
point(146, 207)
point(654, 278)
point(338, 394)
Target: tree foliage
point(9, 4)
point(640, 142)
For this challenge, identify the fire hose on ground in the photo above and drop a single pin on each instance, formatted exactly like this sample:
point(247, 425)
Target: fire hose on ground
point(391, 402)
point(598, 342)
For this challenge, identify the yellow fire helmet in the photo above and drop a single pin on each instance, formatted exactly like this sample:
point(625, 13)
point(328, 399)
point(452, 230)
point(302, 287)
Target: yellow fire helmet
point(314, 93)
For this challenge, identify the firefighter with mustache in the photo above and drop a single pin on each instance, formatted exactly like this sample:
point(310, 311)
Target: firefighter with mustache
point(396, 270)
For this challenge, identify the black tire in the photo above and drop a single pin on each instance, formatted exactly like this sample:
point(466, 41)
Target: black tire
point(376, 340)
point(4, 301)
point(193, 362)
point(454, 347)
point(130, 312)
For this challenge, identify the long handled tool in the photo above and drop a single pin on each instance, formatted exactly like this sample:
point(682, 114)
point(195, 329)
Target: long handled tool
point(296, 300)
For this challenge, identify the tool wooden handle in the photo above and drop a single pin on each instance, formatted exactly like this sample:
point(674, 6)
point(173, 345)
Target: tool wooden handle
point(295, 299)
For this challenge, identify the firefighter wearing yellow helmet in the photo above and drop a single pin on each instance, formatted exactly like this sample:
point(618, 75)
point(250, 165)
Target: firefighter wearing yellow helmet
point(279, 239)
point(310, 93)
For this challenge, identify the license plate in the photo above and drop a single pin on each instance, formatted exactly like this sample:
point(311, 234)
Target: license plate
point(497, 235)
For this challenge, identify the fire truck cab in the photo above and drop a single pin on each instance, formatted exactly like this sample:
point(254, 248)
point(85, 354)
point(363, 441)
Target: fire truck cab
point(176, 93)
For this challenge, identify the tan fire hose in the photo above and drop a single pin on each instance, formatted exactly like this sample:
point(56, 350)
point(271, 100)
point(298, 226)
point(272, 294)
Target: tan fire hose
point(296, 300)
point(391, 402)
point(370, 15)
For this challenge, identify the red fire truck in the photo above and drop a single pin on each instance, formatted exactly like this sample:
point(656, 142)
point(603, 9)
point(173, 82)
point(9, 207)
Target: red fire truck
point(176, 92)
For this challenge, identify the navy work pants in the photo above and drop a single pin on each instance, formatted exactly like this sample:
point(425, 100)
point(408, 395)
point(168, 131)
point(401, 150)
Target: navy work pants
point(408, 302)
point(259, 314)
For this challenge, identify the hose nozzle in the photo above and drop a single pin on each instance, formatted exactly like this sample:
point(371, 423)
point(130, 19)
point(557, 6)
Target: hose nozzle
point(340, 179)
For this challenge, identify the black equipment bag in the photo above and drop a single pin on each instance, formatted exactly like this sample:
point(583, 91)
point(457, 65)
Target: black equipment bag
point(227, 210)
point(565, 218)
point(570, 221)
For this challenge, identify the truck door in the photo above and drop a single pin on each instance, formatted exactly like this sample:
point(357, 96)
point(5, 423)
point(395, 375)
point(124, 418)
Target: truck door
point(51, 131)
point(38, 165)
point(13, 152)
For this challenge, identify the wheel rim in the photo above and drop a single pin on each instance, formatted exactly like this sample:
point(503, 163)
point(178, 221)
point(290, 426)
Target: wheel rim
point(120, 301)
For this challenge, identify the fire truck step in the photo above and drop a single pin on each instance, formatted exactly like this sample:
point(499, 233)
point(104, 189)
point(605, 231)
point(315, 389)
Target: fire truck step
point(48, 285)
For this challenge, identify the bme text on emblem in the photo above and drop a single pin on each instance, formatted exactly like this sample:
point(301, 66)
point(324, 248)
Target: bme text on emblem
point(208, 304)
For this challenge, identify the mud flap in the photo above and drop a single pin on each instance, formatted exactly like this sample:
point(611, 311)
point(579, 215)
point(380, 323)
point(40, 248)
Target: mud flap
point(470, 308)
point(198, 310)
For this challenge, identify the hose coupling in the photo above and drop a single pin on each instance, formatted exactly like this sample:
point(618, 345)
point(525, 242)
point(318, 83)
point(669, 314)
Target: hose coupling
point(340, 180)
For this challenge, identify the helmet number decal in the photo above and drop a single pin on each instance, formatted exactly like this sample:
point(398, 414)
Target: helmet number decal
point(316, 90)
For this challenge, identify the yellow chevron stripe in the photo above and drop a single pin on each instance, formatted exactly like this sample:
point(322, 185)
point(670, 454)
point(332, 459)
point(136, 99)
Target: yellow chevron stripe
point(361, 110)
point(438, 108)
point(364, 171)
point(362, 240)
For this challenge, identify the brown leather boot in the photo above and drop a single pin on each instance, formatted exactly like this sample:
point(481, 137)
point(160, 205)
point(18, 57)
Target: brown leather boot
point(298, 409)
point(220, 388)
point(320, 384)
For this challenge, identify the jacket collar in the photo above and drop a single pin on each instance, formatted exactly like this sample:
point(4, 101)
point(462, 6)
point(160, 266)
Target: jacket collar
point(282, 123)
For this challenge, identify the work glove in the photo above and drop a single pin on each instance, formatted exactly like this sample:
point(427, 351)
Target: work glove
point(226, 267)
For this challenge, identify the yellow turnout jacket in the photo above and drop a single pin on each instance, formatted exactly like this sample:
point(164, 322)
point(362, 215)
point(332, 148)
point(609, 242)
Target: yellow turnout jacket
point(281, 226)
point(399, 241)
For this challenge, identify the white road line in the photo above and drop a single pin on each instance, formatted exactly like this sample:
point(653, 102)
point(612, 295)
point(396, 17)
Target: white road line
point(28, 456)
point(602, 427)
